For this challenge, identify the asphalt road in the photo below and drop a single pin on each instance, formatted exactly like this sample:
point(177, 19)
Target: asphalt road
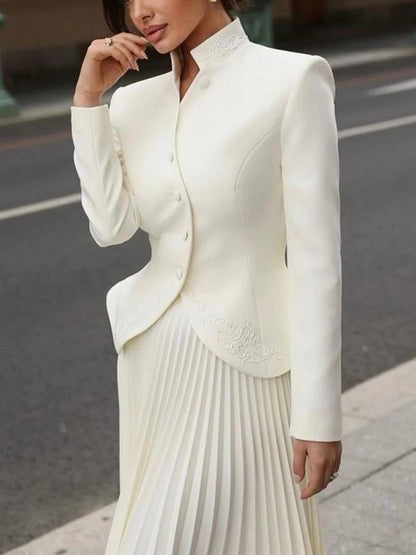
point(58, 410)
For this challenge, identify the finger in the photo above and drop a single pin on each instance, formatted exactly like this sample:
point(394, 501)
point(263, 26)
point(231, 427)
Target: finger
point(299, 458)
point(113, 52)
point(140, 40)
point(338, 459)
point(313, 487)
point(129, 57)
point(316, 479)
point(103, 51)
point(118, 55)
point(137, 51)
point(328, 471)
point(331, 465)
point(334, 467)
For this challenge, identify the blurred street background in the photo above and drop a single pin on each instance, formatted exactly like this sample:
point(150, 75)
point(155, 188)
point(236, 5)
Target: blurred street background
point(58, 394)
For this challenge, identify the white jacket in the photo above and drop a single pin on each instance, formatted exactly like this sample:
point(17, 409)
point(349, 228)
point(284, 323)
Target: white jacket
point(245, 165)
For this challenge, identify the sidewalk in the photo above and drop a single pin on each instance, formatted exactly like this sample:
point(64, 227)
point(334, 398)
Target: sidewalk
point(370, 509)
point(56, 101)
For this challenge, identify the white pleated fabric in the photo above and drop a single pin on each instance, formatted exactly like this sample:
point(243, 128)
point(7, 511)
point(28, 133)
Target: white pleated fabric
point(205, 454)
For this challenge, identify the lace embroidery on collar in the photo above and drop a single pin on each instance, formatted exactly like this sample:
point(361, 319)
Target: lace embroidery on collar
point(222, 47)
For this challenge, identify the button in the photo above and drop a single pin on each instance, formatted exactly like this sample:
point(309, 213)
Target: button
point(178, 273)
point(204, 81)
point(170, 157)
point(177, 194)
point(185, 234)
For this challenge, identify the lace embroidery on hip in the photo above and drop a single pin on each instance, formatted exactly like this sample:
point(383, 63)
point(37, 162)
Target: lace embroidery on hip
point(241, 340)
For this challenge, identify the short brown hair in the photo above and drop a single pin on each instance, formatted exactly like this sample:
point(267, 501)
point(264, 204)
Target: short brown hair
point(114, 12)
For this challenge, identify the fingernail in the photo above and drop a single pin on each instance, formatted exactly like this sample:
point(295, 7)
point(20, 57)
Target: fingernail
point(137, 66)
point(297, 478)
point(145, 55)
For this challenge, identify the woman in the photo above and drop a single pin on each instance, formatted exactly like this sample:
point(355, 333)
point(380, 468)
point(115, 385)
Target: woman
point(228, 340)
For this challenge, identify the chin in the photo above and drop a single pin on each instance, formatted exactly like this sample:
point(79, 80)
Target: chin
point(163, 49)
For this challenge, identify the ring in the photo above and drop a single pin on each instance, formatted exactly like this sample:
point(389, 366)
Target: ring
point(334, 475)
point(108, 41)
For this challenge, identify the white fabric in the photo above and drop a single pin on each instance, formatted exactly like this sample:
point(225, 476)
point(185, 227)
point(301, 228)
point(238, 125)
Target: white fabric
point(205, 454)
point(222, 181)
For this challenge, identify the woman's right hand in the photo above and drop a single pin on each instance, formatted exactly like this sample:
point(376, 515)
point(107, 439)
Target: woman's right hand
point(103, 65)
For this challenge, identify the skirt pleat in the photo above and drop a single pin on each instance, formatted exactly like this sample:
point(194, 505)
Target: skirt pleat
point(205, 454)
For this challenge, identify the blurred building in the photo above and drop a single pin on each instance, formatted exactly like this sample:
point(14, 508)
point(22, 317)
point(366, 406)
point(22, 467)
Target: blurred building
point(49, 38)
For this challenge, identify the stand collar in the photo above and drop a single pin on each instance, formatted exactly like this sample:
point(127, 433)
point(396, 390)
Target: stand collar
point(217, 45)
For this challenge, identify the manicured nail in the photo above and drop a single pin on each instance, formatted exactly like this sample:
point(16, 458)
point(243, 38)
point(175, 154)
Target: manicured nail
point(297, 478)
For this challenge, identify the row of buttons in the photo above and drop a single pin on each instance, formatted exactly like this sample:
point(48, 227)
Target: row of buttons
point(204, 82)
point(178, 197)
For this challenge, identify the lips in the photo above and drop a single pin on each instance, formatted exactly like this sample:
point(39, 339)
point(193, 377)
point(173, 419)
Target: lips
point(154, 29)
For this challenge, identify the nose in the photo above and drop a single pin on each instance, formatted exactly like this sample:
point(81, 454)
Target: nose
point(139, 10)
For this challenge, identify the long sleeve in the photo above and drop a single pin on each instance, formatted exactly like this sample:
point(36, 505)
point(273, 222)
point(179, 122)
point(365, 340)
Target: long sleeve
point(310, 172)
point(106, 195)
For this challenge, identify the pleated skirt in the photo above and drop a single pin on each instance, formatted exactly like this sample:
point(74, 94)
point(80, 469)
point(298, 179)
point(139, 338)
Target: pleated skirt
point(205, 454)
